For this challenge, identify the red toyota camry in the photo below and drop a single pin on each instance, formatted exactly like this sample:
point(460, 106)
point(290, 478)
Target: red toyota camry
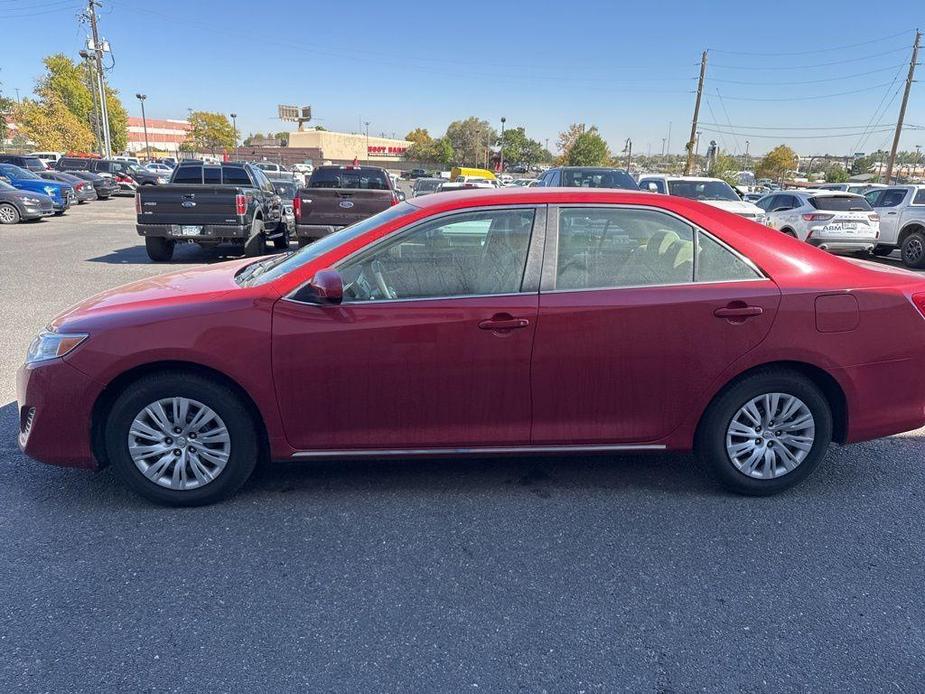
point(529, 321)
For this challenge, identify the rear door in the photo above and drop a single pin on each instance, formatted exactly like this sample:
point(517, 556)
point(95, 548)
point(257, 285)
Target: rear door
point(640, 312)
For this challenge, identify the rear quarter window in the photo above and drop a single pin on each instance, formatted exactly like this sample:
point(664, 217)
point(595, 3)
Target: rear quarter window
point(919, 198)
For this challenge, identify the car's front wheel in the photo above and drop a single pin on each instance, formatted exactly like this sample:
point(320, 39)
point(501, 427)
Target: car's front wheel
point(765, 433)
point(256, 243)
point(913, 250)
point(9, 214)
point(181, 439)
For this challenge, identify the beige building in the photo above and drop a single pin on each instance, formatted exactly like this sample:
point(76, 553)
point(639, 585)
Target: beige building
point(348, 146)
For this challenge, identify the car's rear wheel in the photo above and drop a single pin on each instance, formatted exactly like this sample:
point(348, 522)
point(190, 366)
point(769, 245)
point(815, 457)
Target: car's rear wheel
point(159, 250)
point(181, 439)
point(788, 232)
point(256, 243)
point(913, 250)
point(765, 433)
point(9, 214)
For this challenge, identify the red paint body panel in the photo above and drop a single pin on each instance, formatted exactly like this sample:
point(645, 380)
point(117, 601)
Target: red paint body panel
point(609, 366)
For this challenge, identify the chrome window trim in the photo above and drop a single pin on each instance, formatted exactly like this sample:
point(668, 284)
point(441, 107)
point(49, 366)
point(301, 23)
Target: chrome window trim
point(550, 262)
point(539, 211)
point(469, 450)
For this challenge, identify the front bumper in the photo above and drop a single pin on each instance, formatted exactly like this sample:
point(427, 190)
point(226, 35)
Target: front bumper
point(61, 205)
point(55, 410)
point(37, 211)
point(209, 232)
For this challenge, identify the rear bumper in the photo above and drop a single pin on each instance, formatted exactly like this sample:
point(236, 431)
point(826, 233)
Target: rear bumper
point(213, 232)
point(55, 404)
point(845, 245)
point(315, 231)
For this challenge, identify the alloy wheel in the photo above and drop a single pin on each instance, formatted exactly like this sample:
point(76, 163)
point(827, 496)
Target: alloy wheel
point(770, 435)
point(914, 250)
point(179, 443)
point(8, 214)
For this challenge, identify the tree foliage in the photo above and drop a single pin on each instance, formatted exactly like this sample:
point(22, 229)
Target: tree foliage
point(726, 167)
point(835, 174)
point(520, 149)
point(470, 140)
point(587, 149)
point(567, 139)
point(777, 163)
point(419, 136)
point(51, 125)
point(6, 109)
point(211, 131)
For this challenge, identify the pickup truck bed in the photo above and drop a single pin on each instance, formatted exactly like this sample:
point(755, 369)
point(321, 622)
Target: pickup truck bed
point(338, 196)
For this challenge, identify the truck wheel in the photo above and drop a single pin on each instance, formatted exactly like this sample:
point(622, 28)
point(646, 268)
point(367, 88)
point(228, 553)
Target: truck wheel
point(159, 250)
point(913, 250)
point(281, 243)
point(257, 243)
point(8, 214)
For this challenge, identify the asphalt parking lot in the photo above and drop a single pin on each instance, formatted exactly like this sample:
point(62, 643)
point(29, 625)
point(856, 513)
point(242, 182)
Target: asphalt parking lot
point(557, 574)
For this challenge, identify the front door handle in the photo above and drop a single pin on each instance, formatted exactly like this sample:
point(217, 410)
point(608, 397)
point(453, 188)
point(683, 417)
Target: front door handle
point(503, 322)
point(741, 311)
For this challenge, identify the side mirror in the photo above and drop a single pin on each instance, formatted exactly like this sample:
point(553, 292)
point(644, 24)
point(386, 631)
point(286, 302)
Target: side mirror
point(326, 287)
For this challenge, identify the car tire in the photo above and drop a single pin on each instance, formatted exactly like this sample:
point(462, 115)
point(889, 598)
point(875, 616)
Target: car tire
point(59, 213)
point(789, 232)
point(883, 251)
point(718, 436)
point(281, 243)
point(159, 250)
point(913, 250)
point(9, 214)
point(232, 421)
point(256, 243)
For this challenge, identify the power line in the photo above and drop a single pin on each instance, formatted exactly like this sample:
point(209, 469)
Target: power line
point(814, 65)
point(877, 112)
point(807, 127)
point(812, 52)
point(819, 81)
point(815, 97)
point(795, 137)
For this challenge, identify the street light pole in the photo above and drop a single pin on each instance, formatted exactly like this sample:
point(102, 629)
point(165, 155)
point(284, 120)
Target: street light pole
point(144, 122)
point(746, 155)
point(234, 124)
point(501, 153)
point(366, 123)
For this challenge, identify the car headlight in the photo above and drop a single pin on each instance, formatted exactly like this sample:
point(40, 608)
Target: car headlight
point(51, 345)
point(32, 201)
point(162, 180)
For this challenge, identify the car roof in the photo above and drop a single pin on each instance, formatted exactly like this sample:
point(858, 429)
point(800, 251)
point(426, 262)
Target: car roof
point(816, 192)
point(669, 177)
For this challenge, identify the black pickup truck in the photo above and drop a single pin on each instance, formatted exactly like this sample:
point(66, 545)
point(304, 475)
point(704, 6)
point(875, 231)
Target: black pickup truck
point(209, 204)
point(338, 196)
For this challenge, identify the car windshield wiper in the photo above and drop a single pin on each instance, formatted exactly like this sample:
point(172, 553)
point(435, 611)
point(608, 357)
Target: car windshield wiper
point(255, 270)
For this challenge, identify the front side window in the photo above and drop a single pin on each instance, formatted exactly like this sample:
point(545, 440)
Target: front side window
point(919, 198)
point(468, 254)
point(603, 248)
point(889, 198)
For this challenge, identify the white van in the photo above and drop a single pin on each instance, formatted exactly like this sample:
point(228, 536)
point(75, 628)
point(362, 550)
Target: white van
point(49, 158)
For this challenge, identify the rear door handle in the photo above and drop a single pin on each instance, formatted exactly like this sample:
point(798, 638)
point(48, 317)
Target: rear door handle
point(738, 311)
point(504, 323)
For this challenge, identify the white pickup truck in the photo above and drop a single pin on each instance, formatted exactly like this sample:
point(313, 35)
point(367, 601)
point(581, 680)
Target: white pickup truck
point(902, 222)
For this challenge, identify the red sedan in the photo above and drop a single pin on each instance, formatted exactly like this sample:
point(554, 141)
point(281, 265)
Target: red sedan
point(496, 322)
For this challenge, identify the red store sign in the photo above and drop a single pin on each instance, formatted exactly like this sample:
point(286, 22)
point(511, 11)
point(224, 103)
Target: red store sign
point(383, 151)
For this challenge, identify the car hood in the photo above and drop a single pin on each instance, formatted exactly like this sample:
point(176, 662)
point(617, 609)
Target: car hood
point(22, 194)
point(38, 185)
point(186, 288)
point(740, 207)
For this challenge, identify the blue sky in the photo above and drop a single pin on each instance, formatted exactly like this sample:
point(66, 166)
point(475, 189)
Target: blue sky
point(629, 68)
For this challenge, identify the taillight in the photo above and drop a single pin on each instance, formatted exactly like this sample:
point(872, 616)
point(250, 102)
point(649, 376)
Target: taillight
point(240, 204)
point(919, 301)
point(812, 217)
point(137, 203)
point(297, 208)
point(395, 199)
point(79, 186)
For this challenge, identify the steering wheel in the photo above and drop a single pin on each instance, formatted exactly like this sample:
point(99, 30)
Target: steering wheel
point(375, 268)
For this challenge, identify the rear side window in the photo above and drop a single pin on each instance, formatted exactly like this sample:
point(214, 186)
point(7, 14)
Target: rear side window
point(188, 174)
point(715, 263)
point(367, 179)
point(235, 175)
point(840, 203)
point(919, 198)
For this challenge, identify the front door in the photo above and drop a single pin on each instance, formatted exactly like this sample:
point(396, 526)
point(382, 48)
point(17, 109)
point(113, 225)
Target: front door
point(887, 203)
point(639, 313)
point(430, 347)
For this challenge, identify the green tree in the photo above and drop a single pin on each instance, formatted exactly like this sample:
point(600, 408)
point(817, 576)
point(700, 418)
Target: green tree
point(567, 139)
point(118, 121)
point(726, 167)
point(51, 125)
point(438, 151)
point(588, 149)
point(6, 109)
point(835, 174)
point(863, 165)
point(777, 163)
point(282, 137)
point(520, 149)
point(419, 136)
point(470, 140)
point(211, 131)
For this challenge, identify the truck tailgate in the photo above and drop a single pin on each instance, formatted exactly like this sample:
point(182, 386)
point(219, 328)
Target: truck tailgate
point(341, 206)
point(187, 204)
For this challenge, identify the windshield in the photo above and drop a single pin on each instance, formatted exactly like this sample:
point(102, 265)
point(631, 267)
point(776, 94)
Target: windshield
point(16, 171)
point(597, 178)
point(423, 184)
point(703, 190)
point(840, 203)
point(368, 179)
point(272, 268)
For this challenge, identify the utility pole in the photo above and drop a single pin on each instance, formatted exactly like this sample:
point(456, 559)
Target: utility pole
point(101, 82)
point(367, 142)
point(501, 151)
point(746, 155)
point(902, 108)
point(629, 152)
point(691, 142)
point(234, 125)
point(92, 87)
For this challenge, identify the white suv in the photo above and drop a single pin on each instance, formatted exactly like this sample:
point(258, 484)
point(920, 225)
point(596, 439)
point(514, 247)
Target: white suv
point(712, 191)
point(832, 220)
point(902, 222)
